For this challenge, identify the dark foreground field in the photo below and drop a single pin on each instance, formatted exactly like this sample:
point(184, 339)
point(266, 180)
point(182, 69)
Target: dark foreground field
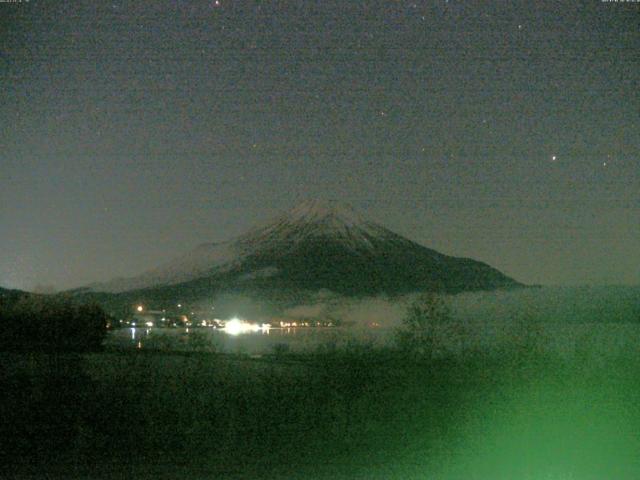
point(357, 413)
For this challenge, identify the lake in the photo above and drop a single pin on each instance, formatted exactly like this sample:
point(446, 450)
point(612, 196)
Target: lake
point(299, 339)
point(562, 339)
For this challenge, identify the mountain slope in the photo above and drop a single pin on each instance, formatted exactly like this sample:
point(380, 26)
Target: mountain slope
point(317, 245)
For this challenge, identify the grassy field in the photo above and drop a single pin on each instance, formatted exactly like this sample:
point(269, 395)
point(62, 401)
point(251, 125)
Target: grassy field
point(356, 412)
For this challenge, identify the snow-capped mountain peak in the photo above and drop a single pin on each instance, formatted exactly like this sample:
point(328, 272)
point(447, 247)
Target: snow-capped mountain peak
point(319, 211)
point(323, 244)
point(313, 220)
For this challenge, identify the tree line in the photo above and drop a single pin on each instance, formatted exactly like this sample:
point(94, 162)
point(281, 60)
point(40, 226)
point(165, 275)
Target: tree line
point(50, 323)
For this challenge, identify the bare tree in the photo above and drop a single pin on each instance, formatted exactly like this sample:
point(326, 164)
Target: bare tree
point(422, 324)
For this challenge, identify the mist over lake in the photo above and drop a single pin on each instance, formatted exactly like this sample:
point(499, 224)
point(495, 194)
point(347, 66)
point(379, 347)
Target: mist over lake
point(607, 318)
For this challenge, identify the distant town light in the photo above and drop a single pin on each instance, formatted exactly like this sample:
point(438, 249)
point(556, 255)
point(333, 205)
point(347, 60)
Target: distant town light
point(236, 326)
point(140, 308)
point(179, 305)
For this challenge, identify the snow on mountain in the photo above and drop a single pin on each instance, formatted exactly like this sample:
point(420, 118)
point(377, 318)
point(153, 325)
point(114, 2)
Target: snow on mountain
point(318, 245)
point(309, 220)
point(314, 220)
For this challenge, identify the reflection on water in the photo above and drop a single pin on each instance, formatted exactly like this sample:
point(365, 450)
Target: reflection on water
point(238, 340)
point(562, 339)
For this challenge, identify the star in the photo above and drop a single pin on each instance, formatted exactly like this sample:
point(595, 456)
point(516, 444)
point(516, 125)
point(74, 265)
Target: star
point(554, 158)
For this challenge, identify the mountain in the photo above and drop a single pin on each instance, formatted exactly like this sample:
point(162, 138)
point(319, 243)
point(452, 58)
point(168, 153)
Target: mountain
point(317, 245)
point(7, 294)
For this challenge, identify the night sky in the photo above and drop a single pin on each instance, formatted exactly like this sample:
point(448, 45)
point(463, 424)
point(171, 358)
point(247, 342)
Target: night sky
point(133, 131)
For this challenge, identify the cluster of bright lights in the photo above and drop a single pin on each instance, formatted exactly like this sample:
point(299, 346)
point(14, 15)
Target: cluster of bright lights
point(235, 326)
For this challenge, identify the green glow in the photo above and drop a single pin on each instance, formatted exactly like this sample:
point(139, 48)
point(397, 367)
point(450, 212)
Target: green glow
point(533, 423)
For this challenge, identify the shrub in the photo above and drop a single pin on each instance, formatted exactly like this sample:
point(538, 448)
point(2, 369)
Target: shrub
point(160, 341)
point(523, 339)
point(425, 319)
point(200, 342)
point(280, 349)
